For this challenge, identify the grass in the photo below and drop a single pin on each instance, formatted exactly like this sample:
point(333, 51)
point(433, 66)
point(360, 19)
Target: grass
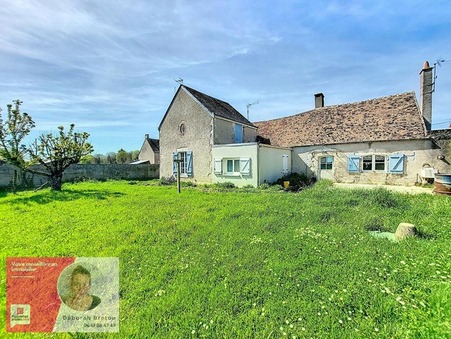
point(214, 262)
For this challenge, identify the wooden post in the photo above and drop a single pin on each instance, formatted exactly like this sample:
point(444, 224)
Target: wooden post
point(178, 176)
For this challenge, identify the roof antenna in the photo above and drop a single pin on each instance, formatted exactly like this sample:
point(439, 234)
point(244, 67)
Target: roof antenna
point(438, 62)
point(179, 80)
point(249, 105)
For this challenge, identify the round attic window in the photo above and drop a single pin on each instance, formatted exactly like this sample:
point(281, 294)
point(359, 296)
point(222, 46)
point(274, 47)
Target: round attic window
point(182, 128)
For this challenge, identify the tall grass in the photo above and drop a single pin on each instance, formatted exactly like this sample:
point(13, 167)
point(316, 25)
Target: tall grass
point(251, 263)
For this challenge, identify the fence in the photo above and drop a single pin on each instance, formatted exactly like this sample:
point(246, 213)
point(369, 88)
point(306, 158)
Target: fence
point(12, 176)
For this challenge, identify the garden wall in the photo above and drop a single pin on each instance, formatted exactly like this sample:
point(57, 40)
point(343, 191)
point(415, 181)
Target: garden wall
point(80, 172)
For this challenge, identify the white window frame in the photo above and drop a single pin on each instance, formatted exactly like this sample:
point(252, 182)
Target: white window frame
point(374, 163)
point(326, 162)
point(232, 166)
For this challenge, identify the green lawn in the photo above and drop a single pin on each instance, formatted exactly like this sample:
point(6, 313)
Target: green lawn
point(248, 264)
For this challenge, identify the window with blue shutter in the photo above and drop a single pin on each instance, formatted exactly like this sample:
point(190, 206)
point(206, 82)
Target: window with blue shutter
point(186, 163)
point(238, 133)
point(353, 164)
point(396, 163)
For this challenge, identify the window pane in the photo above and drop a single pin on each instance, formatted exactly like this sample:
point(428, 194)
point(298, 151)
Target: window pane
point(367, 162)
point(379, 162)
point(230, 166)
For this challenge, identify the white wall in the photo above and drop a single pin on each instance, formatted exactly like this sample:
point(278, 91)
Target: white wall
point(266, 163)
point(236, 151)
point(271, 163)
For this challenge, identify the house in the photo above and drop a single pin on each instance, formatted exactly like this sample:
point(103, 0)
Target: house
point(149, 152)
point(379, 141)
point(385, 140)
point(213, 142)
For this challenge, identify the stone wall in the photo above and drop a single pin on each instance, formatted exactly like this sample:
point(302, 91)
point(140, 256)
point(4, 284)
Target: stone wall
point(9, 174)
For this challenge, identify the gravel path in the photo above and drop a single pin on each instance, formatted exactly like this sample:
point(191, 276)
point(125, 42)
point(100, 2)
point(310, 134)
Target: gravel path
point(401, 189)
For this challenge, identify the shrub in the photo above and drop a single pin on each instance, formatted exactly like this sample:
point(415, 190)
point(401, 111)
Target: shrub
point(297, 181)
point(166, 181)
point(226, 184)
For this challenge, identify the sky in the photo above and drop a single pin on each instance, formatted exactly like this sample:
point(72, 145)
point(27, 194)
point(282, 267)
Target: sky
point(110, 67)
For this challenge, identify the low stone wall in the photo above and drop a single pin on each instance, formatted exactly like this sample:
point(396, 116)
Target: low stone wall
point(10, 175)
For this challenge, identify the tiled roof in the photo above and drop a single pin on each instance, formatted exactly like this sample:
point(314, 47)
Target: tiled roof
point(395, 117)
point(218, 107)
point(154, 144)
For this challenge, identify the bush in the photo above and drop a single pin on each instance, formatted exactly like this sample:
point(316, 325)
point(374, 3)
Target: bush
point(166, 181)
point(297, 181)
point(226, 184)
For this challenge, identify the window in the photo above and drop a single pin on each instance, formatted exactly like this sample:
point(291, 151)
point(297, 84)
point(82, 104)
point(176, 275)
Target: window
point(186, 163)
point(232, 166)
point(325, 163)
point(373, 163)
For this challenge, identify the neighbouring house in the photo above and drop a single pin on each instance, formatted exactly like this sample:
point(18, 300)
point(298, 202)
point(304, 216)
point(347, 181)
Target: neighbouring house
point(379, 141)
point(385, 140)
point(149, 152)
point(213, 142)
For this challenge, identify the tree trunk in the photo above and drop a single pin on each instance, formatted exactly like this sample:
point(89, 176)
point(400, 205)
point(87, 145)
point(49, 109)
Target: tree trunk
point(56, 181)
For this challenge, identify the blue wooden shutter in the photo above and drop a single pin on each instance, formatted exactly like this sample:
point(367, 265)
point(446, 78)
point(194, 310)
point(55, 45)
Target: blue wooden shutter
point(189, 163)
point(238, 133)
point(396, 163)
point(174, 164)
point(353, 164)
point(245, 165)
point(217, 166)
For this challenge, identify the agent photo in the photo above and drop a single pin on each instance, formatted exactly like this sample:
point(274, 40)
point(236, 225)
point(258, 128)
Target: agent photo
point(79, 298)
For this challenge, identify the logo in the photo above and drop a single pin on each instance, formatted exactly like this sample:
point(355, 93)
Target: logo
point(20, 314)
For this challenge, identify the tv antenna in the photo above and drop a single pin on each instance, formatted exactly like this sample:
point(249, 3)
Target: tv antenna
point(179, 80)
point(249, 105)
point(439, 63)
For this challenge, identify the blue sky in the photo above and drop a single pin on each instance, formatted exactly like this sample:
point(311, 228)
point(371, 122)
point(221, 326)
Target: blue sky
point(109, 66)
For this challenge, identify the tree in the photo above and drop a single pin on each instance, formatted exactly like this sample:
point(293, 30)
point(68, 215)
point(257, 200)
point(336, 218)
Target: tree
point(54, 152)
point(122, 157)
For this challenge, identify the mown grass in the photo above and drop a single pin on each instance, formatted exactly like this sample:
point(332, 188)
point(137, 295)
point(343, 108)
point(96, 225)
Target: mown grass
point(250, 263)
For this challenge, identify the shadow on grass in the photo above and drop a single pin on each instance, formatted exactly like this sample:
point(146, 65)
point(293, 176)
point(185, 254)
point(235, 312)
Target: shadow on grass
point(65, 195)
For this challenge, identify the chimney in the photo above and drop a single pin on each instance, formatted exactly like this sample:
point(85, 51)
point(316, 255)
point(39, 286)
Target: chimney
point(146, 136)
point(319, 100)
point(426, 83)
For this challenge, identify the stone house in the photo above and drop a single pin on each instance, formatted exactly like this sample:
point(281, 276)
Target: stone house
point(379, 141)
point(149, 152)
point(215, 143)
point(385, 140)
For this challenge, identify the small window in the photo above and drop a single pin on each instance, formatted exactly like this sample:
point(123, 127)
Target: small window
point(373, 163)
point(233, 165)
point(326, 163)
